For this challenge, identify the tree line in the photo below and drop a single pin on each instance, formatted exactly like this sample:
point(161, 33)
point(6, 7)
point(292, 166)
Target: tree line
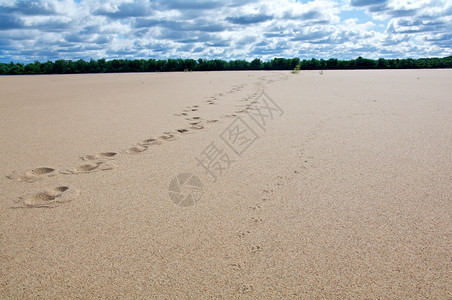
point(62, 66)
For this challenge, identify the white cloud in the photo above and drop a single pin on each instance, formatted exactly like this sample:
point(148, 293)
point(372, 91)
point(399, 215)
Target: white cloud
point(231, 29)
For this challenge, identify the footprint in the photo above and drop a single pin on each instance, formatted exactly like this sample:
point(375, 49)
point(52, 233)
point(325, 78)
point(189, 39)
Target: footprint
point(108, 154)
point(196, 118)
point(102, 155)
point(255, 249)
point(42, 171)
point(245, 288)
point(237, 266)
point(89, 157)
point(212, 121)
point(196, 127)
point(168, 136)
point(150, 142)
point(255, 207)
point(90, 168)
point(256, 220)
point(183, 130)
point(32, 175)
point(137, 149)
point(243, 233)
point(48, 198)
point(194, 123)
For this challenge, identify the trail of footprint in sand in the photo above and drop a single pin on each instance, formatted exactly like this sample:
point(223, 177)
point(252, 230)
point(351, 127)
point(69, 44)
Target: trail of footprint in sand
point(48, 198)
point(211, 100)
point(42, 172)
point(97, 160)
point(32, 175)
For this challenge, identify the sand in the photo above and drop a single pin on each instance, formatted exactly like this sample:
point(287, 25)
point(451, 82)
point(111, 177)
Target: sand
point(253, 185)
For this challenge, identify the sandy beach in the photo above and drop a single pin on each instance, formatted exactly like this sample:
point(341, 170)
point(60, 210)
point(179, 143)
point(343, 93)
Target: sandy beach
point(253, 185)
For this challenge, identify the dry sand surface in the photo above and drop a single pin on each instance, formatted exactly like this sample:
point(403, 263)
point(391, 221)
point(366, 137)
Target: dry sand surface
point(334, 185)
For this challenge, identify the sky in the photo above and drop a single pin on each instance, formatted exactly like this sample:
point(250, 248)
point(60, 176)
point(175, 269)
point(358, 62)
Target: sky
point(229, 29)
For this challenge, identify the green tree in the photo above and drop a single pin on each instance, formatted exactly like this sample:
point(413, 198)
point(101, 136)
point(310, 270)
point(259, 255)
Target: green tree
point(256, 64)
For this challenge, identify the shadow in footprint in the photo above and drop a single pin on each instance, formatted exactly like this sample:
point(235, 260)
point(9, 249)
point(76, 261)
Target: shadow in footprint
point(48, 198)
